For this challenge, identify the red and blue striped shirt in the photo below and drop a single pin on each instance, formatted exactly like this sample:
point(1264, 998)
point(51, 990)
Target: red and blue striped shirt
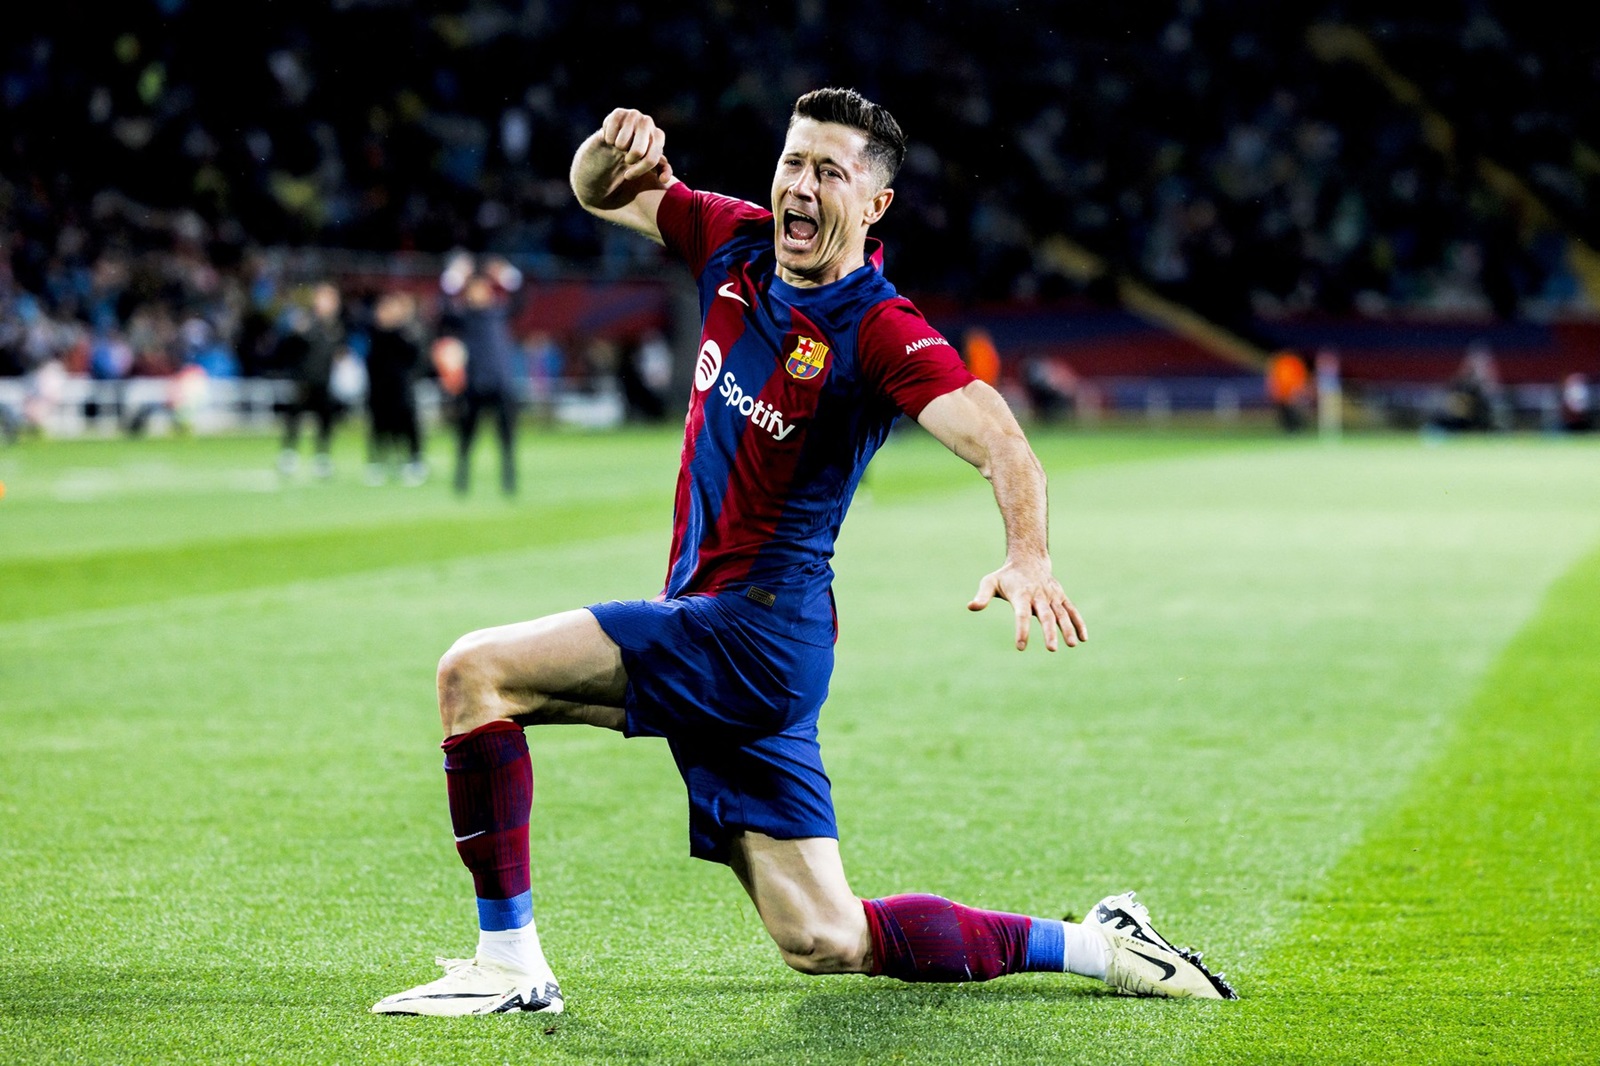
point(794, 391)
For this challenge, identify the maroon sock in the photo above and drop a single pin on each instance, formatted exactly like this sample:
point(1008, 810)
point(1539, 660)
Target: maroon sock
point(489, 777)
point(928, 938)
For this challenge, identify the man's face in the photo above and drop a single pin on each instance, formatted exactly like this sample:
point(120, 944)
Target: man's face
point(824, 196)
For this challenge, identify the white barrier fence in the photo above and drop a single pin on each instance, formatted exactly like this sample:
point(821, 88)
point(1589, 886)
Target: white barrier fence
point(82, 407)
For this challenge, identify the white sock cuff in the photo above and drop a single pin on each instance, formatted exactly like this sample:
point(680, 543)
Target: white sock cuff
point(518, 949)
point(1088, 951)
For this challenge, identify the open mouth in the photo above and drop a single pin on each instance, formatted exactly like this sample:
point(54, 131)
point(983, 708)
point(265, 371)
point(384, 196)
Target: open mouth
point(799, 230)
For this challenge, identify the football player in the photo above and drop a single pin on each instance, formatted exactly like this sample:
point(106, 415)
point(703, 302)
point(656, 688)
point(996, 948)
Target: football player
point(807, 357)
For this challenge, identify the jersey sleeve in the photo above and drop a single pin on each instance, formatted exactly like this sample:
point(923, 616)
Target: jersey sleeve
point(695, 224)
point(906, 359)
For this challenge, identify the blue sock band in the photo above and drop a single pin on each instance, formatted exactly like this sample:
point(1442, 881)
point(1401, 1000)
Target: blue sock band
point(1047, 946)
point(497, 915)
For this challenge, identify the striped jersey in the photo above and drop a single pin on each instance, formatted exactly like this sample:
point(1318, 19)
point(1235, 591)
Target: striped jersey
point(794, 391)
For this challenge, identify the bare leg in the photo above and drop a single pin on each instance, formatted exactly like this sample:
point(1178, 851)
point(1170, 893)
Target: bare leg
point(800, 891)
point(558, 669)
point(821, 927)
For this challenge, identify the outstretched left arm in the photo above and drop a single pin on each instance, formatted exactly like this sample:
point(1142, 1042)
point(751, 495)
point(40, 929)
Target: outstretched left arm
point(975, 423)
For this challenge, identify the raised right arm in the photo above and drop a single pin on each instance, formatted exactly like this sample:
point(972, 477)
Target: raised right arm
point(620, 174)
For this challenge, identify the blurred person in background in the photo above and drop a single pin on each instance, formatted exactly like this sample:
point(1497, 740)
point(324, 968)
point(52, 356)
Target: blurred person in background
point(392, 364)
point(547, 366)
point(1289, 389)
point(1052, 387)
point(1577, 404)
point(308, 351)
point(981, 356)
point(1474, 401)
point(644, 372)
point(479, 313)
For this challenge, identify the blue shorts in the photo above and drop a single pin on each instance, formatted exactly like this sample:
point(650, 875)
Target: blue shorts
point(738, 706)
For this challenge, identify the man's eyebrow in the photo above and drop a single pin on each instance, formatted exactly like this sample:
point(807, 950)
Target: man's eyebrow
point(825, 161)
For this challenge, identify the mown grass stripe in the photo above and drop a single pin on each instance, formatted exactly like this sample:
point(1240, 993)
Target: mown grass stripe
point(1464, 928)
point(41, 588)
point(38, 582)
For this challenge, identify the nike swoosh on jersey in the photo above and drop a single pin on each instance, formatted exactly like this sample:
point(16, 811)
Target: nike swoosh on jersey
point(469, 836)
point(727, 290)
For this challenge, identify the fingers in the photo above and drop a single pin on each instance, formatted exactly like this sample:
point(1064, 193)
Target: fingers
point(1079, 627)
point(611, 128)
point(986, 590)
point(639, 146)
point(1060, 620)
point(645, 153)
point(621, 127)
point(1058, 616)
point(637, 137)
point(1047, 620)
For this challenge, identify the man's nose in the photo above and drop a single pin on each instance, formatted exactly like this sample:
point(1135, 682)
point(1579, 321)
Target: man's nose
point(805, 184)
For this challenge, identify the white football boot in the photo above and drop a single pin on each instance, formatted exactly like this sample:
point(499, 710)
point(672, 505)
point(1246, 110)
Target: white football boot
point(1145, 963)
point(471, 987)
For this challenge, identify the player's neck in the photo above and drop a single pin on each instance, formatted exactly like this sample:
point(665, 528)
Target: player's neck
point(832, 273)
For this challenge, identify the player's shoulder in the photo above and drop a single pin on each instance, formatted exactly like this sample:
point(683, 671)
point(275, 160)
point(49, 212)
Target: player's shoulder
point(734, 206)
point(895, 322)
point(890, 307)
point(695, 224)
point(717, 211)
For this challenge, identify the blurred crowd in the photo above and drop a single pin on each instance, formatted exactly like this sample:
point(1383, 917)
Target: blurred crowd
point(152, 147)
point(1519, 86)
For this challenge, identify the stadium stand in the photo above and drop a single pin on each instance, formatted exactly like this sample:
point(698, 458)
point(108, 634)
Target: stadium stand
point(174, 169)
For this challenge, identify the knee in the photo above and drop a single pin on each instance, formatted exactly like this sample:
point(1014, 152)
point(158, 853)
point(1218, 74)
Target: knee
point(467, 683)
point(822, 949)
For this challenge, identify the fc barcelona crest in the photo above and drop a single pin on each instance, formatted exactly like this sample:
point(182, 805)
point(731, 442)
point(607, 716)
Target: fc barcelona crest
point(807, 359)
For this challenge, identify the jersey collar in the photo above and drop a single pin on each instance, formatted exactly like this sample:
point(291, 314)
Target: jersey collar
point(857, 277)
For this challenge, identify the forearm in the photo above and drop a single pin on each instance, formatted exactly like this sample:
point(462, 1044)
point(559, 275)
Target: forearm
point(1021, 493)
point(975, 423)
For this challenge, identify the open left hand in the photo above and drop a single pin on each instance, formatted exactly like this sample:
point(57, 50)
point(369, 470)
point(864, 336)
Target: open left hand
point(1033, 592)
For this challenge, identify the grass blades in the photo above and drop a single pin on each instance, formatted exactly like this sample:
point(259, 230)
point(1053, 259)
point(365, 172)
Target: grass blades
point(1463, 928)
point(222, 827)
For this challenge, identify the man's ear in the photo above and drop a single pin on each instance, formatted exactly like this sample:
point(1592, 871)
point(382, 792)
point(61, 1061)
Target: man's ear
point(880, 203)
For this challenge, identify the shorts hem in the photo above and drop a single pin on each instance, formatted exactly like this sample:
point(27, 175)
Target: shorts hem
point(719, 851)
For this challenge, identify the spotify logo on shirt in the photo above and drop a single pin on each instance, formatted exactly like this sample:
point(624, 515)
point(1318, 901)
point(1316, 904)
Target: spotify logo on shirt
point(707, 365)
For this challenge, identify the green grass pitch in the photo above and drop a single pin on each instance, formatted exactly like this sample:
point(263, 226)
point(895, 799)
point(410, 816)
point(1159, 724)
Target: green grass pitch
point(1338, 721)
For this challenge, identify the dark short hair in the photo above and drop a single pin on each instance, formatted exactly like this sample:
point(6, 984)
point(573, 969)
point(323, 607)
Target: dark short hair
point(886, 141)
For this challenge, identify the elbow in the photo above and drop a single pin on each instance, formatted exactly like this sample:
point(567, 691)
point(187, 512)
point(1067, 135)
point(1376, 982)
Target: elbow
point(579, 195)
point(580, 177)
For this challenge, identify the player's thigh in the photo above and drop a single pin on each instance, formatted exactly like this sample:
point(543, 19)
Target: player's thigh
point(800, 890)
point(541, 667)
